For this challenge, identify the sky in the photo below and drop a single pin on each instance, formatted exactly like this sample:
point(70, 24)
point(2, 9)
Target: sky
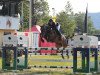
point(77, 5)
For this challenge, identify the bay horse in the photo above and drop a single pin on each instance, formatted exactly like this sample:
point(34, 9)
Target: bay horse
point(51, 36)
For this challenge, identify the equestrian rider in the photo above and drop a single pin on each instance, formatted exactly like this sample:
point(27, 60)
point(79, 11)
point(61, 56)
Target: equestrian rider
point(58, 27)
point(53, 26)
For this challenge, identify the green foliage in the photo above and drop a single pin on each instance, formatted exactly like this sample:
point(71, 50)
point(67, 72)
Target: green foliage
point(67, 23)
point(70, 22)
point(25, 16)
point(91, 28)
point(41, 7)
point(44, 20)
point(96, 32)
point(79, 18)
point(40, 12)
point(66, 19)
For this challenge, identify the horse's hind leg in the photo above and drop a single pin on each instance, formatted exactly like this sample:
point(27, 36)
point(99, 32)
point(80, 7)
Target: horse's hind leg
point(67, 54)
point(62, 54)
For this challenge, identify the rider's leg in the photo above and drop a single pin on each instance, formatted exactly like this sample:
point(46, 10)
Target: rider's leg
point(57, 32)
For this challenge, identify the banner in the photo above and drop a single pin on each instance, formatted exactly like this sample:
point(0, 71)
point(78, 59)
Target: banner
point(7, 22)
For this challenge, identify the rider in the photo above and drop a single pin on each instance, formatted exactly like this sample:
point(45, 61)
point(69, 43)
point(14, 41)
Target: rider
point(58, 27)
point(53, 26)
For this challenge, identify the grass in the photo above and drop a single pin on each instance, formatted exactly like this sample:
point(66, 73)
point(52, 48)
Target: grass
point(49, 63)
point(0, 63)
point(53, 71)
point(48, 71)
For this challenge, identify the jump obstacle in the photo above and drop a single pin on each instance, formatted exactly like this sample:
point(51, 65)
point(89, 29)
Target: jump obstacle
point(13, 44)
point(67, 67)
point(82, 43)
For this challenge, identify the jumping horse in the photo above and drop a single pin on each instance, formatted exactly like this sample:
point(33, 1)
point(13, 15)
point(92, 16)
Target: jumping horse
point(51, 36)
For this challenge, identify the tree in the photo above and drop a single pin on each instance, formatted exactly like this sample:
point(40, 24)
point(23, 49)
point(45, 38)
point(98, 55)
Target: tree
point(66, 19)
point(96, 32)
point(91, 28)
point(68, 8)
point(40, 12)
point(44, 20)
point(25, 15)
point(79, 18)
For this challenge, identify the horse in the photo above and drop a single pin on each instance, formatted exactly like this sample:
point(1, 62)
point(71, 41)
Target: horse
point(51, 36)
